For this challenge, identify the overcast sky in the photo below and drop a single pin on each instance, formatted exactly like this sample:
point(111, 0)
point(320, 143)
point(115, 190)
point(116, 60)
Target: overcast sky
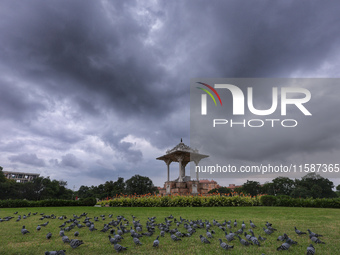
point(93, 90)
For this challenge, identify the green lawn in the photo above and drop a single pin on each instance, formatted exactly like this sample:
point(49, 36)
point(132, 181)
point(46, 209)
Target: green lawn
point(322, 221)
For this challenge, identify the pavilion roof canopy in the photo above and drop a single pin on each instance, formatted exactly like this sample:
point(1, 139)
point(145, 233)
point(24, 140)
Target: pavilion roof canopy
point(181, 149)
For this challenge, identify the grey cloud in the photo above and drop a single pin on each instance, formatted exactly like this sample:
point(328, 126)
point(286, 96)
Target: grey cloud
point(18, 104)
point(28, 159)
point(122, 148)
point(70, 160)
point(77, 75)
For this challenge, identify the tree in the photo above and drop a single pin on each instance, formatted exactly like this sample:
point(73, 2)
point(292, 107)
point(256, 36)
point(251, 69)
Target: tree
point(84, 192)
point(221, 190)
point(118, 187)
point(140, 185)
point(338, 190)
point(314, 185)
point(115, 188)
point(239, 190)
point(2, 176)
point(301, 192)
point(252, 188)
point(283, 186)
point(268, 188)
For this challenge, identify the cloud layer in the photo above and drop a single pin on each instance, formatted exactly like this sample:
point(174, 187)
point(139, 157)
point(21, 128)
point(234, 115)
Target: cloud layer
point(90, 91)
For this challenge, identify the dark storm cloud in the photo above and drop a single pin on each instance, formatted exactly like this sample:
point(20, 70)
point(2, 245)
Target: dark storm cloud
point(122, 148)
point(256, 39)
point(70, 160)
point(86, 50)
point(17, 104)
point(28, 159)
point(84, 75)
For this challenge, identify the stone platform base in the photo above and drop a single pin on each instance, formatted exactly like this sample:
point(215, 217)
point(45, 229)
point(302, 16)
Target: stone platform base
point(183, 188)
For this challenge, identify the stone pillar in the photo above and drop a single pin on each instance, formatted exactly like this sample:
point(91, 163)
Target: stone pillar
point(184, 164)
point(194, 188)
point(196, 164)
point(168, 162)
point(180, 160)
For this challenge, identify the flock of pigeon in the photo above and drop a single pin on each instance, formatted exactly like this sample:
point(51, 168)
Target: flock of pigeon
point(120, 227)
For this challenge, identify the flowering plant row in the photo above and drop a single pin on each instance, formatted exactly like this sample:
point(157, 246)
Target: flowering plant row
point(181, 201)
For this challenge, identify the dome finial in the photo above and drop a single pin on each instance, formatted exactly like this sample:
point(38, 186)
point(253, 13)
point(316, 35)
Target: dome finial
point(181, 140)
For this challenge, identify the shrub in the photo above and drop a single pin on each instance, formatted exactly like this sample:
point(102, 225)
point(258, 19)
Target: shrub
point(268, 200)
point(217, 200)
point(46, 203)
point(89, 201)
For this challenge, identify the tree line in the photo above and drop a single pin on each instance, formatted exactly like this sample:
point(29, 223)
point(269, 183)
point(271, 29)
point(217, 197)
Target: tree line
point(137, 184)
point(311, 185)
point(39, 188)
point(42, 188)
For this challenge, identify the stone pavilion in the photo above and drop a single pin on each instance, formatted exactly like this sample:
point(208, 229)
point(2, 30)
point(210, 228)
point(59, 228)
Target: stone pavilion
point(183, 185)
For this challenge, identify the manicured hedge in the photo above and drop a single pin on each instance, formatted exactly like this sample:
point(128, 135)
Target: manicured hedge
point(46, 203)
point(298, 202)
point(217, 200)
point(181, 201)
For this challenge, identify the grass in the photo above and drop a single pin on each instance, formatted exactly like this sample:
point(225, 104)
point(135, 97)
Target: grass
point(323, 221)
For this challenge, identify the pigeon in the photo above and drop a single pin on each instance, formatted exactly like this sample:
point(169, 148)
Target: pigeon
point(252, 232)
point(45, 224)
point(61, 252)
point(119, 248)
point(175, 238)
point(61, 232)
point(204, 240)
point(76, 243)
point(299, 232)
point(255, 241)
point(271, 228)
point(268, 224)
point(225, 246)
point(49, 235)
point(24, 230)
point(288, 240)
point(310, 250)
point(235, 223)
point(267, 231)
point(313, 234)
point(280, 238)
point(229, 237)
point(113, 240)
point(209, 235)
point(136, 241)
point(240, 231)
point(65, 239)
point(156, 242)
point(243, 226)
point(76, 233)
point(262, 238)
point(248, 237)
point(38, 228)
point(252, 224)
point(283, 247)
point(92, 228)
point(244, 242)
point(315, 239)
